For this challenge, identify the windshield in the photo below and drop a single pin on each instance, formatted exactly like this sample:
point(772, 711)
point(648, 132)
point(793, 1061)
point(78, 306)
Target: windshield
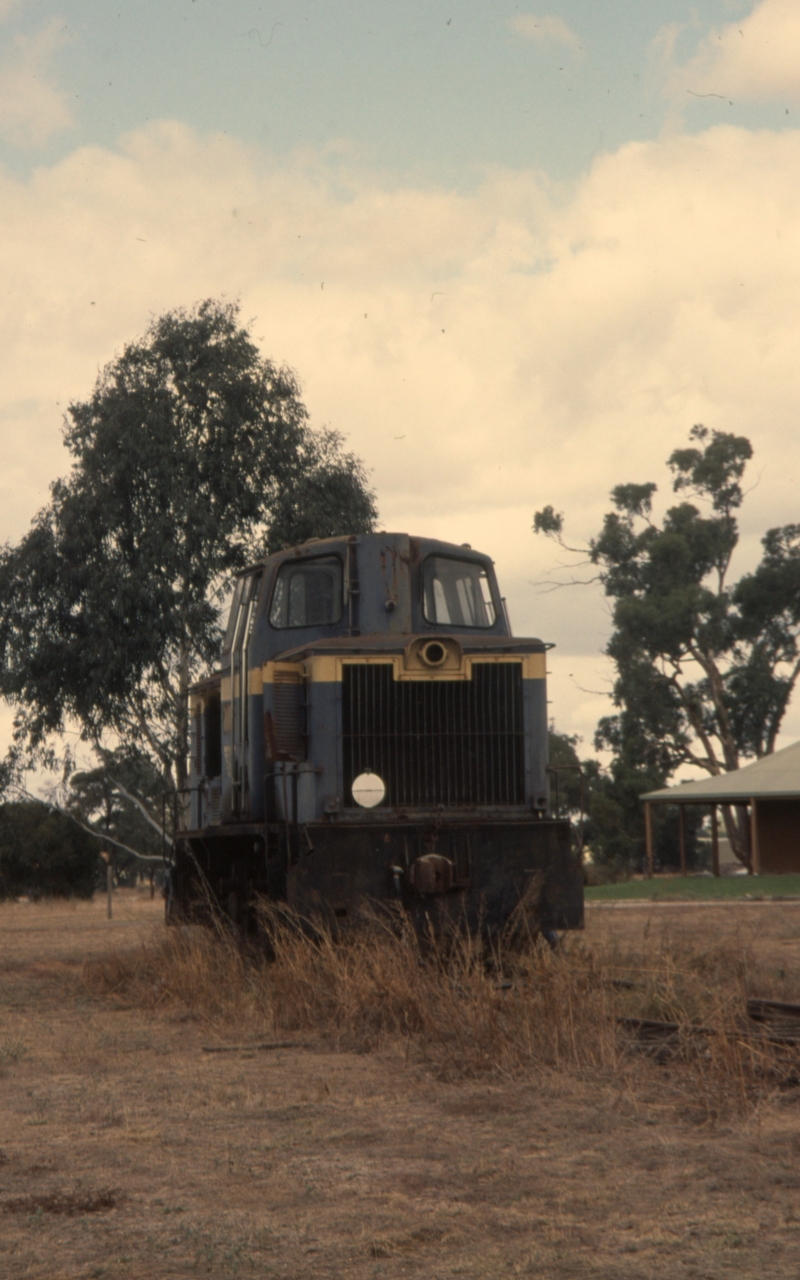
point(308, 593)
point(457, 593)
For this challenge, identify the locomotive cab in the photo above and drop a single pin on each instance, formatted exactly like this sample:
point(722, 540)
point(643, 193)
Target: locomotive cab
point(375, 733)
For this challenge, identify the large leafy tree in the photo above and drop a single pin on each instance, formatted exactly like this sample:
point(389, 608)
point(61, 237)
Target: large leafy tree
point(705, 668)
point(192, 457)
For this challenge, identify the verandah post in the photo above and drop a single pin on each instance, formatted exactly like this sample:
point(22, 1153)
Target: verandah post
point(648, 835)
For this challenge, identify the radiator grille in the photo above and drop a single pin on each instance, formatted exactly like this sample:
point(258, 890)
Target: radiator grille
point(436, 742)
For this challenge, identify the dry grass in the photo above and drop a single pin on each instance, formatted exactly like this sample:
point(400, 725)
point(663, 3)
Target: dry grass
point(479, 1132)
point(466, 1012)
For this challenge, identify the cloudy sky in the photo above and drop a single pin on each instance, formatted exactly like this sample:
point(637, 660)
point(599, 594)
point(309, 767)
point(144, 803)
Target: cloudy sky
point(513, 254)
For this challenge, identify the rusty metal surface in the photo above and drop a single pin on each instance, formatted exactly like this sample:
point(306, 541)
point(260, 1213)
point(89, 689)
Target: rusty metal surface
point(432, 873)
point(396, 642)
point(474, 876)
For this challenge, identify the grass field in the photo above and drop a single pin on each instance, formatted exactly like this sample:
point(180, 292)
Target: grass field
point(409, 1123)
point(687, 888)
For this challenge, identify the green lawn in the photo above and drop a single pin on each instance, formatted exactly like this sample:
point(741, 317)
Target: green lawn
point(688, 887)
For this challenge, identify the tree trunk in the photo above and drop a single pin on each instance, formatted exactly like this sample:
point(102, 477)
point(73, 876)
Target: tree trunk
point(182, 740)
point(182, 720)
point(737, 833)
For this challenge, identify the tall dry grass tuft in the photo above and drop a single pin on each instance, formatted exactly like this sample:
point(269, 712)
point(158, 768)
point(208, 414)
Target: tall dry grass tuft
point(719, 1061)
point(203, 971)
point(465, 1011)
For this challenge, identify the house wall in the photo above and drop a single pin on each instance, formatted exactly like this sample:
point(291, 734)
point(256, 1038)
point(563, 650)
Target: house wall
point(778, 825)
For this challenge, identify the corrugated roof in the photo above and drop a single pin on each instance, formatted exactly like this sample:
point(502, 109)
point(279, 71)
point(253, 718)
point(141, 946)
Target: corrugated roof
point(772, 777)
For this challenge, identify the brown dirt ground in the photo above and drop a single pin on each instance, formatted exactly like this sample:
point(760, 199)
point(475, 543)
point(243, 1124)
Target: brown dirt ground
point(126, 1150)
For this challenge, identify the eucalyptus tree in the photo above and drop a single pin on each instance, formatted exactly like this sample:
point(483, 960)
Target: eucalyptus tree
point(705, 667)
point(192, 457)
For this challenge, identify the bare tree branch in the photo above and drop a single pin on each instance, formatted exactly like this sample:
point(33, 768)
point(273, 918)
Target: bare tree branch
point(134, 800)
point(24, 794)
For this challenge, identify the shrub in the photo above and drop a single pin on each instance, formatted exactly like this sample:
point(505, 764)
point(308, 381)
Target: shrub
point(43, 854)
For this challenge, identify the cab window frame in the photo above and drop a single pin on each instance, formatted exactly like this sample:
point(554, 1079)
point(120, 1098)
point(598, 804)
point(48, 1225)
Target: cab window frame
point(483, 568)
point(295, 562)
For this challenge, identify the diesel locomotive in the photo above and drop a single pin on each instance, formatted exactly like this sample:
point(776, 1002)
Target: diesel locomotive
point(376, 734)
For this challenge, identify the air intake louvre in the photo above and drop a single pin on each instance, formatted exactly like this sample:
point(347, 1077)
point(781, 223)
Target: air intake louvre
point(287, 700)
point(436, 742)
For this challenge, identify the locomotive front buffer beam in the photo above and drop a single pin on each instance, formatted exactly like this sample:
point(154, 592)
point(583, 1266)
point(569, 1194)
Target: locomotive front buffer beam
point(483, 875)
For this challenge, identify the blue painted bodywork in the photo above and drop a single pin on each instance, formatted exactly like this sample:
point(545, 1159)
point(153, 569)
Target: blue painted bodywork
point(383, 611)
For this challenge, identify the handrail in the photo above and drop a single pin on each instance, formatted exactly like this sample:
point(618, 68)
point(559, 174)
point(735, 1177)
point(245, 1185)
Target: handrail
point(555, 770)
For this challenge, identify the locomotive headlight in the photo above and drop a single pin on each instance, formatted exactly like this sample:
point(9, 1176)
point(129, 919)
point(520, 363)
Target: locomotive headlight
point(368, 789)
point(433, 653)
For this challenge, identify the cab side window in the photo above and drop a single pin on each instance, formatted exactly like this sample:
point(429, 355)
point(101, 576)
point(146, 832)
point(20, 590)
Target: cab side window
point(308, 593)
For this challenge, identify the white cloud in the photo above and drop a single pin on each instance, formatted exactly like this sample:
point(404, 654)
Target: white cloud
point(544, 29)
point(756, 59)
point(32, 109)
point(485, 354)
